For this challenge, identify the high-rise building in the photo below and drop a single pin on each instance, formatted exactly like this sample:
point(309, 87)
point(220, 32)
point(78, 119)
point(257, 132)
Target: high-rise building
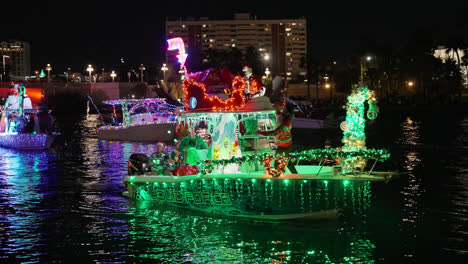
point(281, 43)
point(19, 61)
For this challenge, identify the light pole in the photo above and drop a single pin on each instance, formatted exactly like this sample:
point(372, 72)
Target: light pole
point(90, 70)
point(327, 85)
point(48, 68)
point(164, 69)
point(267, 73)
point(113, 75)
point(142, 68)
point(66, 74)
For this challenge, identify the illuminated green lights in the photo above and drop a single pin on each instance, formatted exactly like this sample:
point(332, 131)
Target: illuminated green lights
point(354, 137)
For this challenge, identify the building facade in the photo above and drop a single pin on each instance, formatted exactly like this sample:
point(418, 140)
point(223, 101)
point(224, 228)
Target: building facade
point(280, 43)
point(19, 58)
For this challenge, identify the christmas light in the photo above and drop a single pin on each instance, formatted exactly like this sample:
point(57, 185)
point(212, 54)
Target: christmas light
point(205, 102)
point(354, 137)
point(178, 44)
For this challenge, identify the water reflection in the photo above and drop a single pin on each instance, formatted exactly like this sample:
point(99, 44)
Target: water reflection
point(66, 204)
point(175, 235)
point(455, 213)
point(411, 191)
point(26, 177)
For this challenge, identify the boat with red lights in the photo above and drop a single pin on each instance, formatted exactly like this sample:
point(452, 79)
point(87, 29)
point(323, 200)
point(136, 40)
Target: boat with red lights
point(227, 166)
point(20, 125)
point(145, 120)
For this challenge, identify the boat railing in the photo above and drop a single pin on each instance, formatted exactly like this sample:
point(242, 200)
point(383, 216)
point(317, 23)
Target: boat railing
point(325, 157)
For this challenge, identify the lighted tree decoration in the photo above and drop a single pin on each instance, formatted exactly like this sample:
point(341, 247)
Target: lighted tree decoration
point(354, 137)
point(42, 74)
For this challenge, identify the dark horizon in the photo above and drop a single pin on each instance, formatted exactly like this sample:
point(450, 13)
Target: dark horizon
point(103, 32)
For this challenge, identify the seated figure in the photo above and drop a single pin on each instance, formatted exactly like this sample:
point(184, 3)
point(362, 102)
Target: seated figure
point(44, 123)
point(160, 161)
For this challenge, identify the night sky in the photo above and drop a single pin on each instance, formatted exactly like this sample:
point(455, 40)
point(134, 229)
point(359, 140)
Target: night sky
point(76, 33)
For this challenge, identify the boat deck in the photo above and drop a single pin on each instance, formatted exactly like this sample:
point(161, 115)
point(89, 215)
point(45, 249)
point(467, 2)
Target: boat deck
point(375, 176)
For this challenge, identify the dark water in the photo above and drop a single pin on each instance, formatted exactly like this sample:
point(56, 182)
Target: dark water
point(65, 205)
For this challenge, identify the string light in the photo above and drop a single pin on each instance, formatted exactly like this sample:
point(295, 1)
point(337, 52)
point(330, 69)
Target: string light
point(307, 155)
point(354, 137)
point(214, 103)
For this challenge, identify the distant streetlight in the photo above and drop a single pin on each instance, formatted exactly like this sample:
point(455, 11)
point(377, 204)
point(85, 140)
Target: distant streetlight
point(267, 72)
point(164, 69)
point(410, 83)
point(90, 70)
point(37, 74)
point(142, 68)
point(48, 68)
point(266, 56)
point(113, 75)
point(367, 59)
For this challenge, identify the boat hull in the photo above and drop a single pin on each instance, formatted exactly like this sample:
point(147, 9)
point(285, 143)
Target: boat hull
point(26, 141)
point(309, 123)
point(142, 133)
point(256, 196)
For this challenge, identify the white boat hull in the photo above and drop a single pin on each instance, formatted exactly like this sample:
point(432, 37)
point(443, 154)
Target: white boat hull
point(309, 123)
point(142, 133)
point(26, 141)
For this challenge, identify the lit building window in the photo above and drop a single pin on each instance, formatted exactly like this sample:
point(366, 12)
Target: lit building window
point(288, 29)
point(288, 74)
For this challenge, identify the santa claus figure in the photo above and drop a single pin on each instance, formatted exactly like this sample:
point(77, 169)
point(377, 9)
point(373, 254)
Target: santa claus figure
point(19, 94)
point(254, 85)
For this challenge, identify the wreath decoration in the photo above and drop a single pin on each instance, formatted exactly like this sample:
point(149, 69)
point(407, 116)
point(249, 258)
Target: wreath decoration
point(280, 165)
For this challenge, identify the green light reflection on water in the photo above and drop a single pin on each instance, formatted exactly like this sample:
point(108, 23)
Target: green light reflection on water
point(179, 235)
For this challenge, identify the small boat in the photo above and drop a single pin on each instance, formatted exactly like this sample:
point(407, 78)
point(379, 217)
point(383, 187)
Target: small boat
point(27, 141)
point(145, 120)
point(17, 123)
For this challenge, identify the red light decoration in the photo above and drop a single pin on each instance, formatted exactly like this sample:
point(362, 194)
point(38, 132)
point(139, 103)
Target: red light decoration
point(280, 165)
point(213, 102)
point(255, 84)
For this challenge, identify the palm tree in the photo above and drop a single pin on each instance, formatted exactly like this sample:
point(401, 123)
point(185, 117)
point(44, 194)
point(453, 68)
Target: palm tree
point(454, 44)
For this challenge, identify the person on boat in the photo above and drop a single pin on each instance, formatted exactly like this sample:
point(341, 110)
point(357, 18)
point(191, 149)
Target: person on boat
point(282, 134)
point(160, 160)
point(191, 159)
point(176, 157)
point(29, 120)
point(44, 123)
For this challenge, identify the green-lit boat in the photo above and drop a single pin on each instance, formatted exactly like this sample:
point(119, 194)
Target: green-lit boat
point(235, 181)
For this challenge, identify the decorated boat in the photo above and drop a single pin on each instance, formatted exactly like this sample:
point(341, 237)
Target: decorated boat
point(146, 120)
point(20, 125)
point(242, 174)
